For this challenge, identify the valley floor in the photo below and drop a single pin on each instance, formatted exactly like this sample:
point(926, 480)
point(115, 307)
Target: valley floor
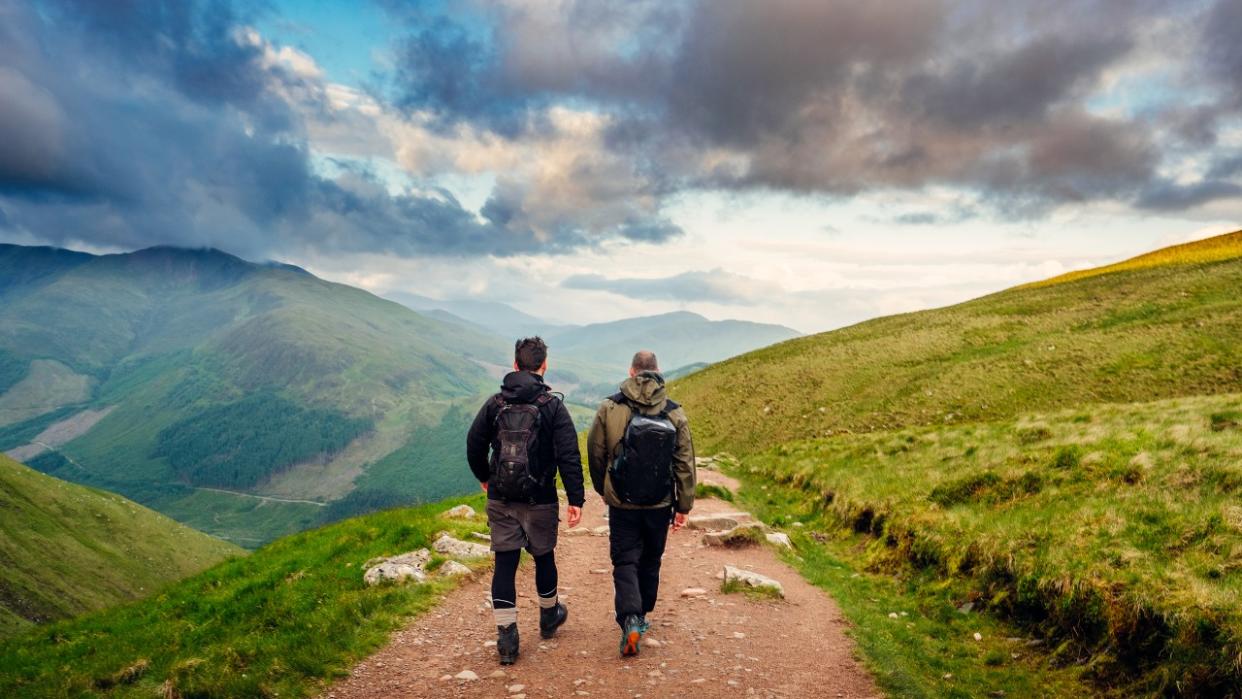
point(709, 645)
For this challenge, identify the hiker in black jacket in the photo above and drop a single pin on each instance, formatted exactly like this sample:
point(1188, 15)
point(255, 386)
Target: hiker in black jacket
point(519, 440)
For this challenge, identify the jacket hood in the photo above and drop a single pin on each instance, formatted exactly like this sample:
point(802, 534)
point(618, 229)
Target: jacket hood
point(522, 386)
point(646, 389)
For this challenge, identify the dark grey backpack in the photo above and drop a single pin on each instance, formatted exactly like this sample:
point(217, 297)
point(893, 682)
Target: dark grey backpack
point(642, 472)
point(515, 475)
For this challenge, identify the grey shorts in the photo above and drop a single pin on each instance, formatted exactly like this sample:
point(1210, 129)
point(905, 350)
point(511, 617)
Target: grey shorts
point(518, 525)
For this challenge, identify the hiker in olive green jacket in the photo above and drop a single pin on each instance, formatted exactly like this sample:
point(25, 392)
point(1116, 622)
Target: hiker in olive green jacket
point(638, 532)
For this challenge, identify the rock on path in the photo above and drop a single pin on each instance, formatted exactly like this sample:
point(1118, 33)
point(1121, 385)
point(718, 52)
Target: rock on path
point(709, 644)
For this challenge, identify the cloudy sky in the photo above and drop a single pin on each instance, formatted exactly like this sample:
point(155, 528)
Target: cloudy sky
point(806, 162)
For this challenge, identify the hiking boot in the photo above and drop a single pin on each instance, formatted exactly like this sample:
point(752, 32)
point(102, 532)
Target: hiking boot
point(550, 620)
point(631, 635)
point(507, 643)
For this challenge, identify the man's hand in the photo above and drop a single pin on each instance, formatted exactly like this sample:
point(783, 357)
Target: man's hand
point(679, 521)
point(483, 485)
point(575, 516)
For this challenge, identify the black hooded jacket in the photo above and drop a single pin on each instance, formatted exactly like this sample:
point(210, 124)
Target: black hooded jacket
point(558, 440)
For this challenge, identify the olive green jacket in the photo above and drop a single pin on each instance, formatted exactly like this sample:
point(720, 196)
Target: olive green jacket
point(646, 393)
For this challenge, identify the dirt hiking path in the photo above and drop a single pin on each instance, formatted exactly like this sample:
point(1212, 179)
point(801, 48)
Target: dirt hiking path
point(711, 645)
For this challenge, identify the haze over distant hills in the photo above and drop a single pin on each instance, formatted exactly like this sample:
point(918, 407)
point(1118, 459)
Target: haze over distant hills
point(254, 400)
point(679, 338)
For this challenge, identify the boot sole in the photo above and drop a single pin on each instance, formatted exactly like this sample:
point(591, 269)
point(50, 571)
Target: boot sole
point(631, 644)
point(507, 660)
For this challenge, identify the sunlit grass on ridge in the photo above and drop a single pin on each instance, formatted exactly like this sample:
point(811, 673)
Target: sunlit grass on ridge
point(1214, 249)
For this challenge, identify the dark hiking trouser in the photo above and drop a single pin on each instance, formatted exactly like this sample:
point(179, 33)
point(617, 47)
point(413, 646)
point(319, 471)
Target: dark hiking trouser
point(636, 543)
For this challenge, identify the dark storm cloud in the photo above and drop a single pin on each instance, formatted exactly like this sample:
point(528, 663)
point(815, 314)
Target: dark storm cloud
point(844, 97)
point(132, 124)
point(1171, 196)
point(715, 286)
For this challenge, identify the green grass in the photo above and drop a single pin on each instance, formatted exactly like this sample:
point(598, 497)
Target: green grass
point(284, 621)
point(1138, 335)
point(1119, 533)
point(1067, 455)
point(711, 490)
point(68, 549)
point(906, 621)
point(732, 587)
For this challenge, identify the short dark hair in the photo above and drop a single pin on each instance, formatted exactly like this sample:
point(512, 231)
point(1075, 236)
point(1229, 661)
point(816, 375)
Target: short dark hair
point(530, 353)
point(644, 360)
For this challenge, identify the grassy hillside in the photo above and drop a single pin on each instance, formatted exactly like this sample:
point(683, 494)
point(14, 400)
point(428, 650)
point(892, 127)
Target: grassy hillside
point(1116, 529)
point(223, 374)
point(1221, 247)
point(1065, 455)
point(1136, 335)
point(280, 622)
point(67, 549)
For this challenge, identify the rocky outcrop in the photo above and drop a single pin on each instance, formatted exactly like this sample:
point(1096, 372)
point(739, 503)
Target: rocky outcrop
point(753, 580)
point(460, 512)
point(453, 569)
point(457, 548)
point(779, 540)
point(407, 566)
point(745, 534)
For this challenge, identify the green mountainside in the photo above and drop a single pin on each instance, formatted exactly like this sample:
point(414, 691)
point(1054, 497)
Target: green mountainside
point(282, 622)
point(67, 549)
point(180, 378)
point(1065, 456)
point(1136, 335)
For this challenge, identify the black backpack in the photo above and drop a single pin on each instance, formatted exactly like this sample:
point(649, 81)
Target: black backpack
point(515, 474)
point(642, 472)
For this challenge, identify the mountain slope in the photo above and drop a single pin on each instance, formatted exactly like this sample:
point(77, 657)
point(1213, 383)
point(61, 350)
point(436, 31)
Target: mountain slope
point(678, 339)
point(1221, 247)
point(1063, 455)
point(501, 319)
point(67, 549)
point(282, 621)
point(1131, 335)
point(218, 374)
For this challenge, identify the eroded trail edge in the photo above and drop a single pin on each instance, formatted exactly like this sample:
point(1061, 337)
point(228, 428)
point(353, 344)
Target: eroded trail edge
point(701, 644)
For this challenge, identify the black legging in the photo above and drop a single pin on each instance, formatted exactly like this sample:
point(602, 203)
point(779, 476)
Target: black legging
point(504, 585)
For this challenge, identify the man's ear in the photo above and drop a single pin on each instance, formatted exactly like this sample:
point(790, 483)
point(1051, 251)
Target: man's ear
point(543, 368)
point(633, 372)
point(515, 366)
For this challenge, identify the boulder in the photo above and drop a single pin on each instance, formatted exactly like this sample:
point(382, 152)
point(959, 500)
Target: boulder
point(459, 512)
point(576, 531)
point(741, 535)
point(457, 548)
point(749, 578)
point(779, 539)
point(711, 522)
point(452, 569)
point(720, 522)
point(407, 566)
point(600, 531)
point(482, 536)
